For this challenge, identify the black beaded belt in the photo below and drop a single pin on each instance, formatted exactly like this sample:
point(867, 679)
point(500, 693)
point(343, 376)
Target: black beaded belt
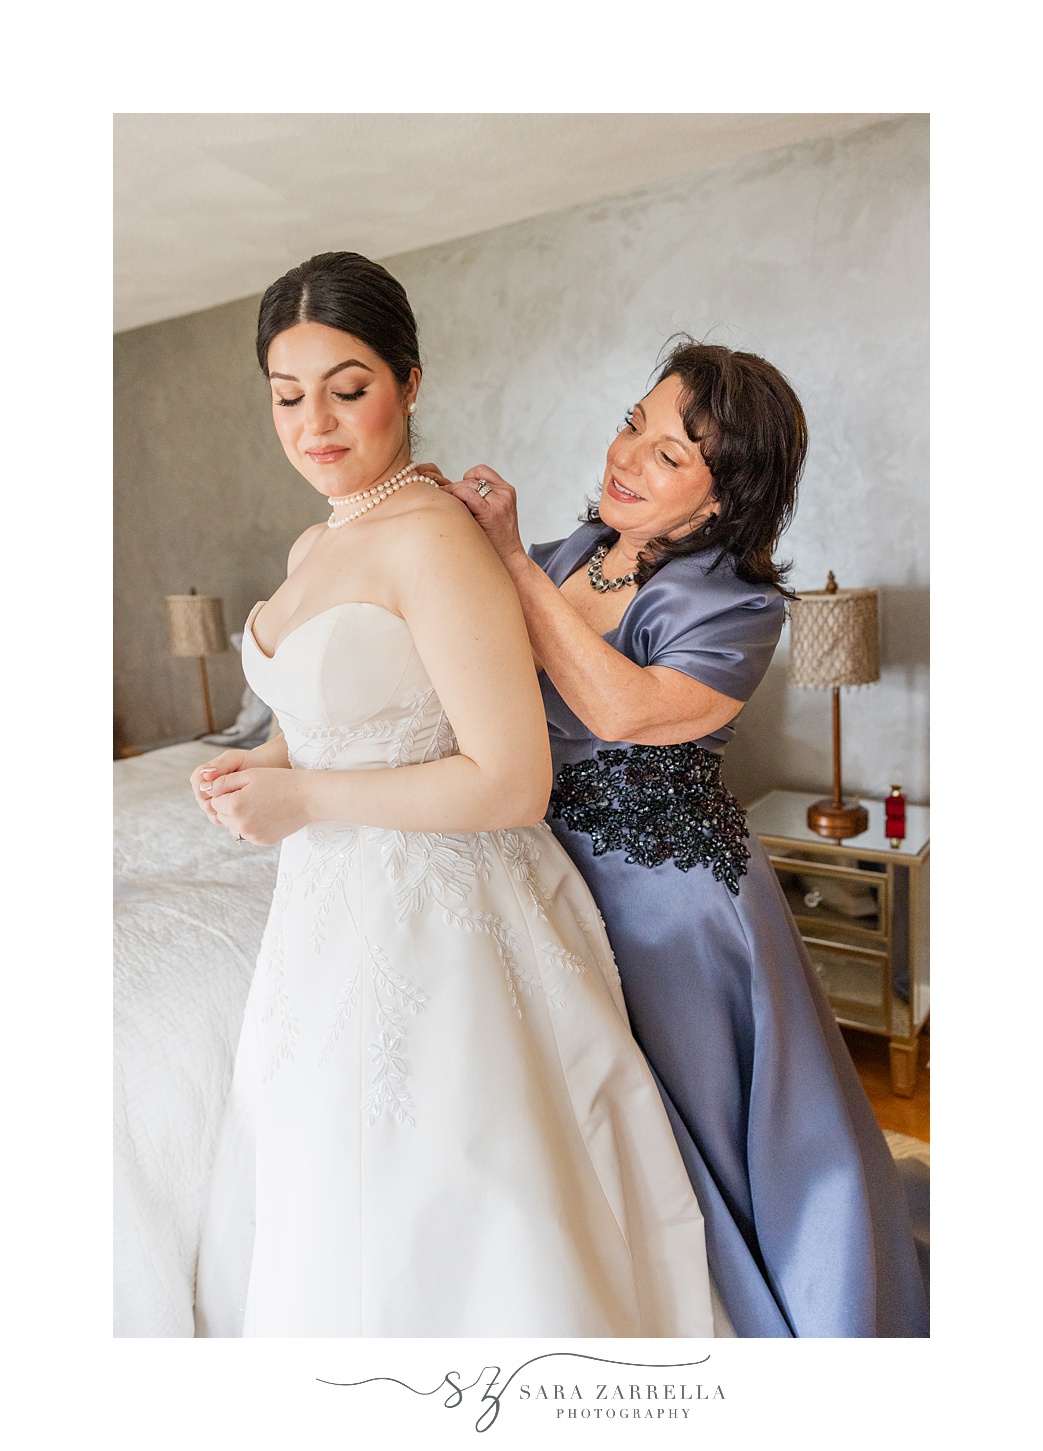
point(656, 803)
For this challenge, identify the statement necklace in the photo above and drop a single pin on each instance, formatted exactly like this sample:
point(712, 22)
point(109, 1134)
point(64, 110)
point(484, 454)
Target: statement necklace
point(598, 580)
point(376, 495)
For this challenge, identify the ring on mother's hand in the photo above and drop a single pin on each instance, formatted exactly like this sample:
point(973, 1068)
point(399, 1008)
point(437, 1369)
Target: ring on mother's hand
point(483, 487)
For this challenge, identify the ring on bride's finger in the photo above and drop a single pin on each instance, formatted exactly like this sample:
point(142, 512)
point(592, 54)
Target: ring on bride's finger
point(484, 487)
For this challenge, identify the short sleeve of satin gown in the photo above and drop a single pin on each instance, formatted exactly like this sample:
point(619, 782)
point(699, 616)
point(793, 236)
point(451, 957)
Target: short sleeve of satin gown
point(709, 625)
point(543, 553)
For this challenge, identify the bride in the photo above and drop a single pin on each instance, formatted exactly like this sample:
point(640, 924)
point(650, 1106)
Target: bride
point(439, 1123)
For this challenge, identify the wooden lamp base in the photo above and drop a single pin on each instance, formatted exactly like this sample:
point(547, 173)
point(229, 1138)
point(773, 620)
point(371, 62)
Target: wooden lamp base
point(838, 819)
point(207, 707)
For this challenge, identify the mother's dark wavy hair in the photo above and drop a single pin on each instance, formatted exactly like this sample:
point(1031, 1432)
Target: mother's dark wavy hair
point(751, 429)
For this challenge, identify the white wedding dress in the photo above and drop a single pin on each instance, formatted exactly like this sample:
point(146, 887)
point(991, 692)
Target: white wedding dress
point(439, 1123)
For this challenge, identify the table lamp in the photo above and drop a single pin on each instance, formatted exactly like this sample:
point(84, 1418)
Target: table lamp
point(197, 627)
point(834, 641)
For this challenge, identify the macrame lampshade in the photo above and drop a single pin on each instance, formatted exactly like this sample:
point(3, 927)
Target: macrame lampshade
point(197, 627)
point(835, 641)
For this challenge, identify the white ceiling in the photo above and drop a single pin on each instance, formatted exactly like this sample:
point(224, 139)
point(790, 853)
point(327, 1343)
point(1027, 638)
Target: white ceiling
point(209, 208)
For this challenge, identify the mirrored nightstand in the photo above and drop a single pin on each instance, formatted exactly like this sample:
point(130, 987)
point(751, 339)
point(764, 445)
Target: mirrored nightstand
point(862, 908)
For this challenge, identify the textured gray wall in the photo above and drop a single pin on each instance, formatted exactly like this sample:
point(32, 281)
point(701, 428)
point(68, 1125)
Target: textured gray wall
point(204, 497)
point(536, 337)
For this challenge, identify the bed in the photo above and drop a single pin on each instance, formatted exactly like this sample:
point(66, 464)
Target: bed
point(190, 906)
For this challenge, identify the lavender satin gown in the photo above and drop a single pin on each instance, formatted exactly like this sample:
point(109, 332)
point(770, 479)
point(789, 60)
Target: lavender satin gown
point(808, 1230)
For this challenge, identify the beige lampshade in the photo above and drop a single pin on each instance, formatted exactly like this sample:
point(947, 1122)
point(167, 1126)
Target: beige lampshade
point(197, 625)
point(834, 638)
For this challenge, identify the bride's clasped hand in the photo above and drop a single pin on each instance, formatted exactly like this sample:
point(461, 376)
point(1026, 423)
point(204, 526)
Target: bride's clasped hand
point(258, 804)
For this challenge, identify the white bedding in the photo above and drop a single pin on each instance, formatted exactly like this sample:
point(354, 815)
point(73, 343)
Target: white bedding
point(190, 907)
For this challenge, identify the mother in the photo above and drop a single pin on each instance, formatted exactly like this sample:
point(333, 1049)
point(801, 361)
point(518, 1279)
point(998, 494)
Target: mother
point(653, 623)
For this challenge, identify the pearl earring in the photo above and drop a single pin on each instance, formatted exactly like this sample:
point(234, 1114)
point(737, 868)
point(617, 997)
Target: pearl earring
point(412, 408)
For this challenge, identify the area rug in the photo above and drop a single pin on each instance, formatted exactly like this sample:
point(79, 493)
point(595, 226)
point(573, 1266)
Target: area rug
point(902, 1146)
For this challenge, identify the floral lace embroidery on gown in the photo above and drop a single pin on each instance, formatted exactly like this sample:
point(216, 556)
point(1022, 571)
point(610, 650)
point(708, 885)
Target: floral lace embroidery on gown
point(439, 1123)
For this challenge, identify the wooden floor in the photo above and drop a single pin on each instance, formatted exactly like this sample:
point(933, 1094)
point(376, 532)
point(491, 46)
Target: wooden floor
point(910, 1116)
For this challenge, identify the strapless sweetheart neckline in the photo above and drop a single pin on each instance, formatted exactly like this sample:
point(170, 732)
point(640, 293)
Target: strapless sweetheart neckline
point(344, 605)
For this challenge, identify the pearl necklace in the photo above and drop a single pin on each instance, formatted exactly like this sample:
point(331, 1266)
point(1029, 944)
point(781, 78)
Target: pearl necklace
point(598, 580)
point(347, 498)
point(376, 495)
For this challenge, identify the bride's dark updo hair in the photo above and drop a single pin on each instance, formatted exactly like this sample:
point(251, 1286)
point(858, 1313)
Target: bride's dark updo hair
point(347, 291)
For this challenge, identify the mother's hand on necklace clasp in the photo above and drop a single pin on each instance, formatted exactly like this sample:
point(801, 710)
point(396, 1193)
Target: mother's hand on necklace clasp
point(494, 506)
